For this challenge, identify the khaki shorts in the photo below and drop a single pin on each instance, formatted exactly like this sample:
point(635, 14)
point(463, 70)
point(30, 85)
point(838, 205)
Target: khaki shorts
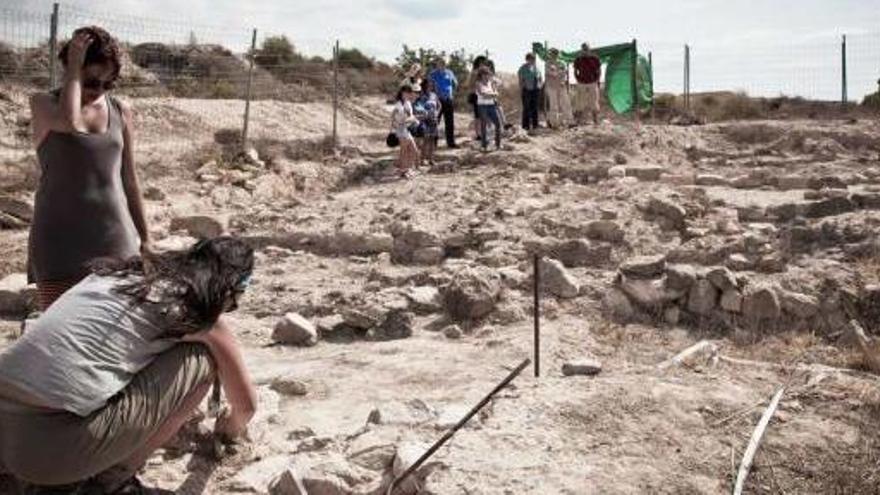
point(586, 97)
point(56, 448)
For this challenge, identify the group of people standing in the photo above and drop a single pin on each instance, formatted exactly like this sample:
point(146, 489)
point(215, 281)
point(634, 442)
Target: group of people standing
point(422, 101)
point(129, 341)
point(564, 101)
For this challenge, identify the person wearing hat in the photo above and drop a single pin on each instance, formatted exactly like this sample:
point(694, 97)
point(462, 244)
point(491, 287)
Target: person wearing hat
point(413, 78)
point(556, 87)
point(587, 72)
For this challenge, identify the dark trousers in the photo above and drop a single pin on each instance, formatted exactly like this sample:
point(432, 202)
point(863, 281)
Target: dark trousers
point(489, 115)
point(447, 109)
point(531, 101)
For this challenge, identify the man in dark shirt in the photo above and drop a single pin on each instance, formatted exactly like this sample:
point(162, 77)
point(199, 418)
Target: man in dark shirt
point(587, 72)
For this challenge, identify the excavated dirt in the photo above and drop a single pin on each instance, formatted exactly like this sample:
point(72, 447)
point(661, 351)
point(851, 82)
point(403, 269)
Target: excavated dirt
point(788, 206)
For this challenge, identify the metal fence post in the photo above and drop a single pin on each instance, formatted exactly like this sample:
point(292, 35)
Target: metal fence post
point(651, 71)
point(634, 84)
point(843, 80)
point(247, 101)
point(53, 43)
point(335, 91)
point(687, 77)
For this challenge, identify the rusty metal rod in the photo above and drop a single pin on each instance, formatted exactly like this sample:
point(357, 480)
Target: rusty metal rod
point(537, 316)
point(452, 431)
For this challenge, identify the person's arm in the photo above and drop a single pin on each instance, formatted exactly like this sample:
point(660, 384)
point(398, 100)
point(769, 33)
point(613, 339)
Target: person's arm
point(71, 91)
point(130, 179)
point(234, 377)
point(578, 73)
point(42, 115)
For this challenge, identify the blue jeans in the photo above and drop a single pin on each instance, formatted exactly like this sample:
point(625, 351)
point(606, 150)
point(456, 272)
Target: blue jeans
point(489, 113)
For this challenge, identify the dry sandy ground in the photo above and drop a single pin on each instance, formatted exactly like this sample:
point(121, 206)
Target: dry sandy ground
point(633, 428)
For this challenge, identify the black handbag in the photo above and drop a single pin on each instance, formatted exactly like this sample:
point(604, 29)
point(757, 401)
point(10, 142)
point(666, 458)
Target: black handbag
point(392, 140)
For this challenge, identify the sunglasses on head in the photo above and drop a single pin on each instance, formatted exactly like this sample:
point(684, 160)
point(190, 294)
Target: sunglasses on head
point(95, 83)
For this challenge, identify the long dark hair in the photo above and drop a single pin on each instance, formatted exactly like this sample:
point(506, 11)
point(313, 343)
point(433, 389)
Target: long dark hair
point(192, 287)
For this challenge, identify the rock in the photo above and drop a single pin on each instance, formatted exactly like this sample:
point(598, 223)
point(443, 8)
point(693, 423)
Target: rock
point(258, 476)
point(293, 329)
point(410, 238)
point(328, 324)
point(648, 173)
point(583, 367)
point(702, 297)
point(604, 230)
point(428, 256)
point(792, 182)
point(711, 180)
point(556, 280)
point(617, 305)
point(411, 413)
point(680, 277)
point(201, 226)
point(579, 252)
point(771, 263)
point(15, 295)
point(359, 244)
point(731, 301)
point(362, 319)
point(425, 299)
point(644, 266)
point(313, 482)
point(747, 182)
point(665, 208)
point(722, 278)
point(867, 201)
point(650, 293)
point(739, 262)
point(154, 194)
point(800, 305)
point(672, 315)
point(471, 295)
point(398, 324)
point(829, 207)
point(453, 332)
point(620, 159)
point(827, 182)
point(375, 458)
point(617, 172)
point(18, 208)
point(10, 222)
point(289, 386)
point(407, 454)
point(761, 303)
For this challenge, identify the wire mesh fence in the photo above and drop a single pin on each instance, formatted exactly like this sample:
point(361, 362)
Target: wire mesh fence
point(824, 68)
point(193, 82)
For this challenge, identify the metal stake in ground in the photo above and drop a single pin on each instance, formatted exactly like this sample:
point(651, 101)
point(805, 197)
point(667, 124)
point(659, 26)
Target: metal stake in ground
point(537, 315)
point(452, 431)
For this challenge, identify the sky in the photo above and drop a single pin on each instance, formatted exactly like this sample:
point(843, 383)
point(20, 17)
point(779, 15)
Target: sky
point(762, 47)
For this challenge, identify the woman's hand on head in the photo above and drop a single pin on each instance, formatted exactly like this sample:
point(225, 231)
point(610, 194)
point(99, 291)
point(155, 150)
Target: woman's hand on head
point(76, 52)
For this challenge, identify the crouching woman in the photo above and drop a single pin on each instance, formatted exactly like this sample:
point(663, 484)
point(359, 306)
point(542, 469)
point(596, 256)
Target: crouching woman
point(117, 364)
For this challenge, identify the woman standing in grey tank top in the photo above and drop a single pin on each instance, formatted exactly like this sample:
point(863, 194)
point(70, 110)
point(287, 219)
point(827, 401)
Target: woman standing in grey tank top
point(88, 204)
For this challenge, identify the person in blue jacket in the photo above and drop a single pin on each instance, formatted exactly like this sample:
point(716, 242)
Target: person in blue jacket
point(445, 84)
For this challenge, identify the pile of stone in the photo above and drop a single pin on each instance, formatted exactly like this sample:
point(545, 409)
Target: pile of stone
point(649, 287)
point(15, 213)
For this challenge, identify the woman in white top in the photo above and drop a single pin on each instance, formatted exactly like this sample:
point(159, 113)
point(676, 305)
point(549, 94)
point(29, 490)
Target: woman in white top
point(487, 106)
point(402, 118)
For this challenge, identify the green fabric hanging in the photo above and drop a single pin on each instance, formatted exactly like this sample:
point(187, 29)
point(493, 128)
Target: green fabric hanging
point(618, 61)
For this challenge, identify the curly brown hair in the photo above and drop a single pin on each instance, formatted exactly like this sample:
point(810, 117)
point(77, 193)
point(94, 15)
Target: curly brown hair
point(103, 50)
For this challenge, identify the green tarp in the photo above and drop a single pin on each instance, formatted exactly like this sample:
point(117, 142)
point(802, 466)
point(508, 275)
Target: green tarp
point(618, 61)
